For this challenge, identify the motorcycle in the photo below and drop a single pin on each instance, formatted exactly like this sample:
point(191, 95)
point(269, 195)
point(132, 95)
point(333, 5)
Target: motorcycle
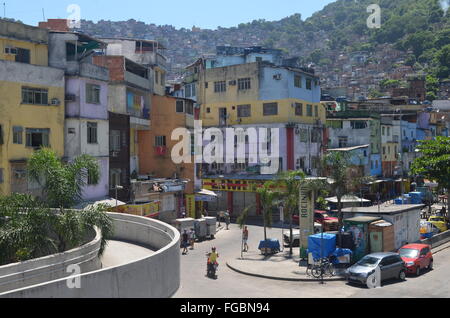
point(211, 268)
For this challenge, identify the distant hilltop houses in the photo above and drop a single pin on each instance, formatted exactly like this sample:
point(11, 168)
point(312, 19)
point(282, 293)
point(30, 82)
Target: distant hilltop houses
point(115, 99)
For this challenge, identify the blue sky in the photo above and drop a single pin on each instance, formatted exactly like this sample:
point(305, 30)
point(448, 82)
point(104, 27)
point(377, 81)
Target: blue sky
point(180, 13)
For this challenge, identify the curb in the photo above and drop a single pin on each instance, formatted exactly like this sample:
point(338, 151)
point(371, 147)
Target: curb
point(285, 278)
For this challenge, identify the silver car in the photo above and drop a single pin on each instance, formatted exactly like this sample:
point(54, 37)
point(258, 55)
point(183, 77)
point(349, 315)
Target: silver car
point(391, 266)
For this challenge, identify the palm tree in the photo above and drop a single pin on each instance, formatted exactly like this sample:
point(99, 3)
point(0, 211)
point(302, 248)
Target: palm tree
point(62, 184)
point(268, 195)
point(30, 227)
point(291, 181)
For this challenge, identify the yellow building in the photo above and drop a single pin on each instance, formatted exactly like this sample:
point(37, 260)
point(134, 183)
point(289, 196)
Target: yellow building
point(259, 93)
point(31, 104)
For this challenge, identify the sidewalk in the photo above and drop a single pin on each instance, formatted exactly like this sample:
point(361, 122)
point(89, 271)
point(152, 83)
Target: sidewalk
point(279, 266)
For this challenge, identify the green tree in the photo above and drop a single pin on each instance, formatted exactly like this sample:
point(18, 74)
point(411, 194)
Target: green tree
point(34, 227)
point(434, 164)
point(269, 195)
point(291, 182)
point(62, 183)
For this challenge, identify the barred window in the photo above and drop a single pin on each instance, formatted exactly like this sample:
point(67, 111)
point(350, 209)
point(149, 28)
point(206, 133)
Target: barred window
point(92, 133)
point(309, 84)
point(244, 83)
point(114, 140)
point(220, 87)
point(244, 110)
point(309, 112)
point(92, 94)
point(298, 81)
point(17, 135)
point(160, 141)
point(34, 96)
point(298, 109)
point(270, 109)
point(37, 138)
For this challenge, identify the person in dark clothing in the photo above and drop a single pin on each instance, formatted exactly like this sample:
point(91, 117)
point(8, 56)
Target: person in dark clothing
point(185, 242)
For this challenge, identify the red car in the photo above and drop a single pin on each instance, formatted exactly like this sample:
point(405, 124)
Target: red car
point(416, 257)
point(319, 217)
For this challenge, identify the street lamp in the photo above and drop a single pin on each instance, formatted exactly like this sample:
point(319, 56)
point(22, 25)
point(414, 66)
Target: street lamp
point(117, 187)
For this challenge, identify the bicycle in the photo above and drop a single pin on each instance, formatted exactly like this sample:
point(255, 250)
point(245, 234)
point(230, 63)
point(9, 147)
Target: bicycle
point(323, 268)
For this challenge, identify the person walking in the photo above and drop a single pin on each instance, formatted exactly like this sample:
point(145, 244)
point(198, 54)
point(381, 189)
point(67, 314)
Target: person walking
point(227, 219)
point(192, 238)
point(185, 242)
point(245, 238)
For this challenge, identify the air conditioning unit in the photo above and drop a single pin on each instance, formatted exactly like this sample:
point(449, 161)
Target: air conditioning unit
point(277, 77)
point(232, 83)
point(70, 97)
point(55, 102)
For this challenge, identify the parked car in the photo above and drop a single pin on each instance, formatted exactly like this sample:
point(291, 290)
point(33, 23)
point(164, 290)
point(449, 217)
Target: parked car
point(296, 235)
point(329, 223)
point(439, 221)
point(416, 257)
point(391, 266)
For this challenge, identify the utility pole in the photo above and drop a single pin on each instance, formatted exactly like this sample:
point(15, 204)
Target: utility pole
point(4, 10)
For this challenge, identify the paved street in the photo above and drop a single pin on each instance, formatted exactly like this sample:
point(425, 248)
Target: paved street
point(230, 284)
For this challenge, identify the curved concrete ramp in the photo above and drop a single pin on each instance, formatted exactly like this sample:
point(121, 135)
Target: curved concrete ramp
point(151, 268)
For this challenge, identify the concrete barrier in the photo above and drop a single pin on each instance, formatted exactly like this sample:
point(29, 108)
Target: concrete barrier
point(155, 276)
point(52, 267)
point(438, 239)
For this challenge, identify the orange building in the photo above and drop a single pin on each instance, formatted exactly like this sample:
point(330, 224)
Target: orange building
point(155, 146)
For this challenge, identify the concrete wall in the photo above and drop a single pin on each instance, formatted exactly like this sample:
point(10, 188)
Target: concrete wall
point(156, 276)
point(438, 239)
point(36, 271)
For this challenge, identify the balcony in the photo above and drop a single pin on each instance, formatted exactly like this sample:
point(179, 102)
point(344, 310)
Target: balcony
point(137, 80)
point(139, 120)
point(87, 70)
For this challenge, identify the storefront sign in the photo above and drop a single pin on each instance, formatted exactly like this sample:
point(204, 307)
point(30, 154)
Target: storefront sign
point(306, 217)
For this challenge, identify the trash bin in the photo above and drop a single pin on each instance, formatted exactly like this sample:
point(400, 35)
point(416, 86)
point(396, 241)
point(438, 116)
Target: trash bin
point(184, 224)
point(211, 226)
point(200, 227)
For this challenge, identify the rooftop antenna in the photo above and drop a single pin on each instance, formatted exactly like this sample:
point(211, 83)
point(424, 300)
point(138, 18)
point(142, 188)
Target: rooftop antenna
point(4, 10)
point(43, 15)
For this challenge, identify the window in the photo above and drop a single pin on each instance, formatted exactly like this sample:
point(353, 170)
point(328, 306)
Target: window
point(220, 87)
point(1, 135)
point(157, 77)
point(92, 133)
point(316, 135)
point(358, 124)
point(34, 96)
point(303, 135)
point(1, 175)
point(23, 56)
point(309, 84)
point(92, 94)
point(343, 141)
point(189, 108)
point(309, 112)
point(163, 78)
point(206, 84)
point(90, 179)
point(244, 110)
point(298, 109)
point(190, 90)
point(208, 110)
point(384, 150)
point(316, 111)
point(389, 131)
point(383, 130)
point(180, 106)
point(258, 59)
point(270, 109)
point(115, 177)
point(298, 81)
point(160, 141)
point(37, 138)
point(244, 83)
point(376, 164)
point(17, 135)
point(114, 140)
